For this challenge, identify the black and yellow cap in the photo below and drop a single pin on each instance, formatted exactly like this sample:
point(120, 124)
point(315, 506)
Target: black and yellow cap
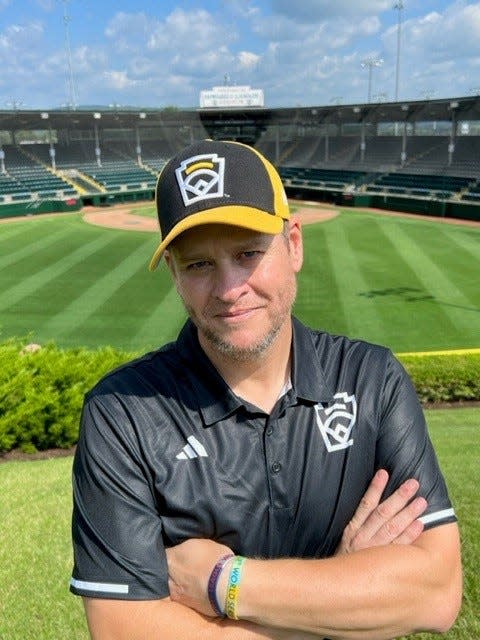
point(218, 182)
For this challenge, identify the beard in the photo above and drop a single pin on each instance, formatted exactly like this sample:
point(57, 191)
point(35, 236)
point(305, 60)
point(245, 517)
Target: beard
point(235, 353)
point(240, 354)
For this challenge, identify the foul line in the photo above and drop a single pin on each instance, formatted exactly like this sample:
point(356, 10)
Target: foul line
point(449, 352)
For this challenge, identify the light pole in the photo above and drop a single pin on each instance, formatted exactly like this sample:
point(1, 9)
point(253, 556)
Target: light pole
point(15, 104)
point(399, 7)
point(369, 63)
point(68, 52)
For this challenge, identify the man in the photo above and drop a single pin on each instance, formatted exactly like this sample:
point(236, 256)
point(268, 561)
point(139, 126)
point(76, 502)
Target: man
point(255, 434)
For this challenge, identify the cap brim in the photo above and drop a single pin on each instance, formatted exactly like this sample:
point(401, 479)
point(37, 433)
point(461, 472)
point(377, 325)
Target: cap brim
point(237, 216)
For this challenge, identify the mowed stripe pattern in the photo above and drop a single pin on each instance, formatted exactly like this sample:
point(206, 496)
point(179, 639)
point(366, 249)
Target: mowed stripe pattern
point(409, 284)
point(64, 280)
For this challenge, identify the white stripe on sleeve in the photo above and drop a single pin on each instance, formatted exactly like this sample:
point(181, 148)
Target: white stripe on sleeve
point(103, 587)
point(437, 515)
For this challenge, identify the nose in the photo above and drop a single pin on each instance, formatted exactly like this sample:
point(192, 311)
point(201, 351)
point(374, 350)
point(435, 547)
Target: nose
point(230, 282)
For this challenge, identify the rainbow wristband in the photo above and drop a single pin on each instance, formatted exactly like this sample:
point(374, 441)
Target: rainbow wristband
point(233, 588)
point(213, 581)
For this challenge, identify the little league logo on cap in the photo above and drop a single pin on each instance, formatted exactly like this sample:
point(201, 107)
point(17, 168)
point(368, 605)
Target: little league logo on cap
point(218, 182)
point(201, 177)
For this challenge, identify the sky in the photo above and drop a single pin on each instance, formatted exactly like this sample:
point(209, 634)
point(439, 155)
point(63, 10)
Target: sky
point(146, 53)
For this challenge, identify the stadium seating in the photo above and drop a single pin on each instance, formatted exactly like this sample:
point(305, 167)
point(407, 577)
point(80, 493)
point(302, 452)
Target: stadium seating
point(27, 179)
point(328, 158)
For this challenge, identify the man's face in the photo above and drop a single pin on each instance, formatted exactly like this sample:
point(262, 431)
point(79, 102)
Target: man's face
point(238, 286)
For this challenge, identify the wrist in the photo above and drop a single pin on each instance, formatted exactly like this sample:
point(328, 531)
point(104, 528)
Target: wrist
point(234, 587)
point(215, 584)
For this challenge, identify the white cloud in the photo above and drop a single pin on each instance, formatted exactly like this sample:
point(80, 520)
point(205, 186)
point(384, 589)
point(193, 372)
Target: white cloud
point(437, 50)
point(188, 32)
point(304, 52)
point(118, 80)
point(19, 38)
point(248, 60)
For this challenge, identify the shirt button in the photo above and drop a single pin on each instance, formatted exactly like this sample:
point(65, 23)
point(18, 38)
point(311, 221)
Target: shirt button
point(269, 431)
point(276, 467)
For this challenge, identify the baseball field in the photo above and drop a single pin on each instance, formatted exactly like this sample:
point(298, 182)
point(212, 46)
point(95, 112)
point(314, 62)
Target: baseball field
point(408, 283)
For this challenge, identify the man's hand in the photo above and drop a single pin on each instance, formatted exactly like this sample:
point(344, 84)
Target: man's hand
point(189, 566)
point(375, 523)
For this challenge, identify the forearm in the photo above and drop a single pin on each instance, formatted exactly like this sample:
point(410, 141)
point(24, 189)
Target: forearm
point(372, 594)
point(167, 620)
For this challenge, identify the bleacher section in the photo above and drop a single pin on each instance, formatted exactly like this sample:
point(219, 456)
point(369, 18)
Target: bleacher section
point(27, 179)
point(321, 178)
point(333, 162)
point(120, 175)
point(31, 173)
point(438, 186)
point(428, 168)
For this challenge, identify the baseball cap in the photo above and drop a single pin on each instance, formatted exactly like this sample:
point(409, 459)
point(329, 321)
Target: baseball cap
point(218, 182)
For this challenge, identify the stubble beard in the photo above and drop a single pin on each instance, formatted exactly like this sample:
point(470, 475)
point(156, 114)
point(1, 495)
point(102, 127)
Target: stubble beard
point(234, 353)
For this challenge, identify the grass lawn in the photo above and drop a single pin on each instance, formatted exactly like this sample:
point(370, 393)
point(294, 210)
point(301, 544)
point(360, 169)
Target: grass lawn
point(407, 283)
point(35, 557)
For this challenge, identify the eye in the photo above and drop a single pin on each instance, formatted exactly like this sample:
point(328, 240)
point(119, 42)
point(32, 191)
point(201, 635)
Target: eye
point(251, 254)
point(197, 266)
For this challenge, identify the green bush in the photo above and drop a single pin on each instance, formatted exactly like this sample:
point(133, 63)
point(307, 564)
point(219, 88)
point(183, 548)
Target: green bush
point(41, 392)
point(445, 378)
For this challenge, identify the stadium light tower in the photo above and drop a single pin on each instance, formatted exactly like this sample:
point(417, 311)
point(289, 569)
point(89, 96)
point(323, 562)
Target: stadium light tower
point(399, 7)
point(72, 98)
point(369, 63)
point(15, 104)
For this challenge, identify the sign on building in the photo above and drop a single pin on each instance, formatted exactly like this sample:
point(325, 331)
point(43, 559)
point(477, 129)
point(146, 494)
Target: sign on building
point(231, 96)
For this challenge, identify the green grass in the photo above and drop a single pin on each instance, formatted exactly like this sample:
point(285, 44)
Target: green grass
point(407, 283)
point(35, 555)
point(410, 284)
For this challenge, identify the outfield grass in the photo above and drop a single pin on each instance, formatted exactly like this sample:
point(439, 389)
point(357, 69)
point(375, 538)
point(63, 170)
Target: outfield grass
point(410, 284)
point(35, 556)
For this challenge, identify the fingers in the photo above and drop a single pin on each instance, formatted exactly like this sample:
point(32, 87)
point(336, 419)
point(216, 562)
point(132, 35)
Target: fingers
point(400, 526)
point(382, 515)
point(377, 523)
point(410, 534)
point(370, 500)
point(391, 517)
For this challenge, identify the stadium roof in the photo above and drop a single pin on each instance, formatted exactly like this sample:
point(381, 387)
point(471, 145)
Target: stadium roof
point(463, 108)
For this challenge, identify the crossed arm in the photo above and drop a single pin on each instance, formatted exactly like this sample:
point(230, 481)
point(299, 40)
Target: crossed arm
point(386, 579)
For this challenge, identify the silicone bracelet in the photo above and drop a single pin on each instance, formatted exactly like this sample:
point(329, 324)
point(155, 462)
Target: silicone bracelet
point(213, 581)
point(233, 588)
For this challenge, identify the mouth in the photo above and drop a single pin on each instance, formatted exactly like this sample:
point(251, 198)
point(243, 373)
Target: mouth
point(236, 315)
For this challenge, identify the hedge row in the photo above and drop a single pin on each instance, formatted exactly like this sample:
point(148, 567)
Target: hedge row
point(445, 378)
point(41, 390)
point(41, 393)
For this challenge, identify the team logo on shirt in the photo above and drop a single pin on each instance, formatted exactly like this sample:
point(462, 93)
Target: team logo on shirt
point(337, 421)
point(201, 177)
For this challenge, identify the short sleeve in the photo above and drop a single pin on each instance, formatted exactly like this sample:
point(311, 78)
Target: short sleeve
point(116, 527)
point(404, 447)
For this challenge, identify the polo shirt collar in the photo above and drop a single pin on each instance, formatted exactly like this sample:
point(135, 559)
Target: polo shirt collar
point(216, 401)
point(308, 377)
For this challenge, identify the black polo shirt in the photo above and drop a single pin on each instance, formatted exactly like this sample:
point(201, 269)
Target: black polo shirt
point(167, 452)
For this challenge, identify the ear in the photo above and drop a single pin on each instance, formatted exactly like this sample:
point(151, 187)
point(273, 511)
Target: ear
point(295, 239)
